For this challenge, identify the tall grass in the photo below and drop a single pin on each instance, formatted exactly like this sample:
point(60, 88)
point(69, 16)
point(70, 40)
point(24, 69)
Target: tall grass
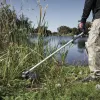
point(16, 54)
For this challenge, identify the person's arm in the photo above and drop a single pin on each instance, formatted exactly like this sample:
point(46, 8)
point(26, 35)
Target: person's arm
point(87, 9)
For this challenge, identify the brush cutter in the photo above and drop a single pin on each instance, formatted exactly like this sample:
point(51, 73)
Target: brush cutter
point(28, 74)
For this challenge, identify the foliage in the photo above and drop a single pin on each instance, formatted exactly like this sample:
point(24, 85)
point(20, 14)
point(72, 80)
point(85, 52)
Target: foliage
point(67, 30)
point(42, 24)
point(45, 30)
point(75, 31)
point(12, 29)
point(23, 22)
point(7, 25)
point(64, 30)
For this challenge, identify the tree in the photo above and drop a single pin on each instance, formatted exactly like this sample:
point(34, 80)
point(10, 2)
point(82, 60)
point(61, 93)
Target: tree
point(54, 33)
point(64, 30)
point(23, 22)
point(44, 30)
point(75, 31)
point(48, 32)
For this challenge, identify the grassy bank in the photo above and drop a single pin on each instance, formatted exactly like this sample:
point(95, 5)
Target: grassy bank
point(58, 84)
point(54, 81)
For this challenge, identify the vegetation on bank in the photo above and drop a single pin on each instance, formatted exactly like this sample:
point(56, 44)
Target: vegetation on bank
point(59, 83)
point(64, 30)
point(53, 81)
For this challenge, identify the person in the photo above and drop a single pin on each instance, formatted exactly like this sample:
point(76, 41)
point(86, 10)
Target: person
point(93, 41)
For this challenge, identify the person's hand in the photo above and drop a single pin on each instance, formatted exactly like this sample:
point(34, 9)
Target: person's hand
point(81, 26)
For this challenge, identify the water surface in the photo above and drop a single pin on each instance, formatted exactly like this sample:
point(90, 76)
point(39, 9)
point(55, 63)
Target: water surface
point(75, 54)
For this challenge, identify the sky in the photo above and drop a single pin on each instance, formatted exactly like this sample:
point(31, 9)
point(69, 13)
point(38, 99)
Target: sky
point(59, 12)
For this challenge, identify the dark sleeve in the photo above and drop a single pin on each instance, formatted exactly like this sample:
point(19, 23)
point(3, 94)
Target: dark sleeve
point(87, 9)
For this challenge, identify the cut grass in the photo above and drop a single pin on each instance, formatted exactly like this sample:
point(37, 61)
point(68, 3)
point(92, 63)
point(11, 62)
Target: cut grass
point(56, 85)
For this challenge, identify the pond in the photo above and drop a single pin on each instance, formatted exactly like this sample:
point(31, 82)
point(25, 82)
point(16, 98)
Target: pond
point(73, 54)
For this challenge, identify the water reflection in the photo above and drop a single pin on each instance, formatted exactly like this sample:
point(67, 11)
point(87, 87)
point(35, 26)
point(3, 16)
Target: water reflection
point(76, 52)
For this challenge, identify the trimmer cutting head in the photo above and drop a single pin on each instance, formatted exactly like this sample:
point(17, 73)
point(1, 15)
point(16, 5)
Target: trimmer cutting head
point(29, 75)
point(25, 74)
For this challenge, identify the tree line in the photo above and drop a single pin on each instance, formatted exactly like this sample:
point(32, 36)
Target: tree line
point(63, 30)
point(74, 31)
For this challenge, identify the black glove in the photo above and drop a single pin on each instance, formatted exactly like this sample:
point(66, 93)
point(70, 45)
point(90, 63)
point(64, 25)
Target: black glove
point(81, 26)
